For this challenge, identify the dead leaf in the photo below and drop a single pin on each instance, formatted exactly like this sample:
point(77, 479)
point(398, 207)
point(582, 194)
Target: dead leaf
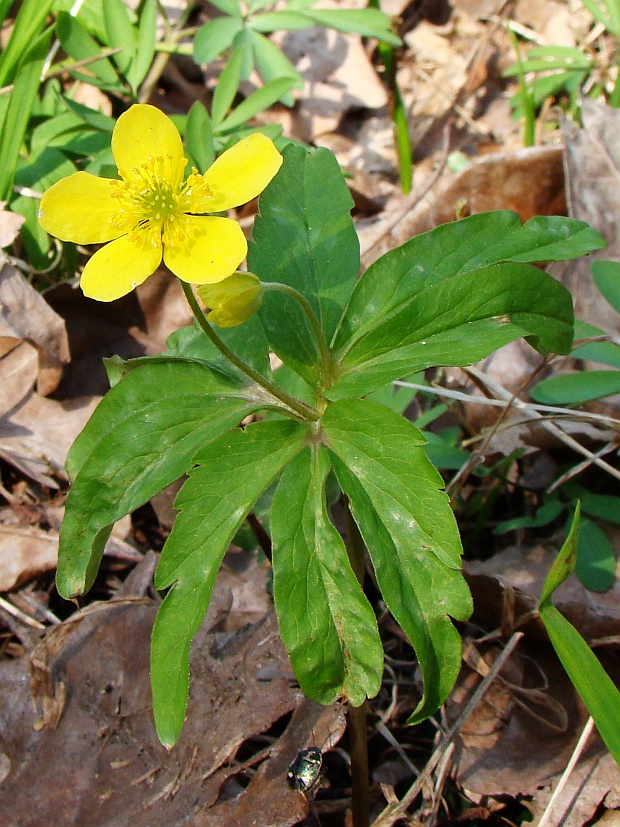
point(528, 181)
point(10, 225)
point(338, 77)
point(36, 436)
point(103, 765)
point(593, 186)
point(25, 551)
point(136, 325)
point(26, 315)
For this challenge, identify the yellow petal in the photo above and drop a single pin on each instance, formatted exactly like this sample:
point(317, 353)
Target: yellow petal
point(79, 208)
point(242, 172)
point(118, 267)
point(214, 249)
point(144, 131)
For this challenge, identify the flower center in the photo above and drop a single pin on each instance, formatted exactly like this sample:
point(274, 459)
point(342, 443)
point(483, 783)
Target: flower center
point(155, 204)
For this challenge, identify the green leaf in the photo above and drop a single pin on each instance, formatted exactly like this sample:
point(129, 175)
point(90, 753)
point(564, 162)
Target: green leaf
point(304, 237)
point(595, 687)
point(27, 27)
point(607, 16)
point(607, 353)
point(576, 388)
point(142, 436)
point(457, 321)
point(199, 137)
point(274, 21)
point(227, 86)
point(456, 248)
point(607, 278)
point(247, 341)
point(596, 561)
point(80, 45)
point(215, 36)
point(231, 474)
point(299, 5)
point(326, 622)
point(258, 101)
point(232, 7)
point(92, 117)
point(546, 514)
point(444, 455)
point(145, 47)
point(273, 65)
point(367, 22)
point(409, 530)
point(5, 7)
point(601, 506)
point(120, 33)
point(18, 112)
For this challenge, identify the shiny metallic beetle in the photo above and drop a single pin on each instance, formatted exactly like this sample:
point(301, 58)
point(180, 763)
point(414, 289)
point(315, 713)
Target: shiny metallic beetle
point(304, 772)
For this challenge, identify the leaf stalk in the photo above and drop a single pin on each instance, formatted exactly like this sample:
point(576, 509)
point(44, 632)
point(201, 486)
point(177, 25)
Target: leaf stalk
point(306, 412)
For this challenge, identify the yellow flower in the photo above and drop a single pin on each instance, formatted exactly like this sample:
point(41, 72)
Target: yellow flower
point(152, 212)
point(233, 300)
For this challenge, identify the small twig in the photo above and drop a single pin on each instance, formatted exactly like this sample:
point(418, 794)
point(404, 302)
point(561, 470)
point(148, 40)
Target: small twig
point(442, 774)
point(260, 535)
point(587, 730)
point(21, 616)
point(498, 390)
point(392, 813)
point(460, 396)
point(172, 35)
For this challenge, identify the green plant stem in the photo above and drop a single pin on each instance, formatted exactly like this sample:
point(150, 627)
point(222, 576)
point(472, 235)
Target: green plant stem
point(525, 96)
point(356, 715)
point(305, 305)
point(614, 98)
point(305, 412)
point(397, 111)
point(172, 36)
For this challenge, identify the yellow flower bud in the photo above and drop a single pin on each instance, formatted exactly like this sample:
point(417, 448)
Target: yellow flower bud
point(233, 300)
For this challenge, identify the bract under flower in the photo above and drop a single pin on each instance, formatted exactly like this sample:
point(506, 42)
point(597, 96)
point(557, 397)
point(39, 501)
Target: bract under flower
point(152, 212)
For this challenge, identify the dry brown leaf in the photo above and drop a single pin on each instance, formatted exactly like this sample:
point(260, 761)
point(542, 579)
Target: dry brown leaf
point(25, 551)
point(36, 436)
point(136, 325)
point(593, 185)
point(528, 181)
point(26, 315)
point(103, 765)
point(338, 77)
point(10, 225)
point(19, 366)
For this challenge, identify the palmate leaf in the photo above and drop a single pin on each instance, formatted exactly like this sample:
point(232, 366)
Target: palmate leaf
point(327, 624)
point(458, 321)
point(410, 532)
point(456, 293)
point(231, 474)
point(142, 436)
point(454, 249)
point(304, 237)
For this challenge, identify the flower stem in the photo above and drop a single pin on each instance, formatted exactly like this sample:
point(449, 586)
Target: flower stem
point(311, 315)
point(356, 715)
point(306, 412)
